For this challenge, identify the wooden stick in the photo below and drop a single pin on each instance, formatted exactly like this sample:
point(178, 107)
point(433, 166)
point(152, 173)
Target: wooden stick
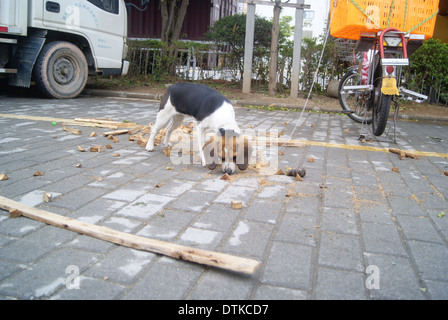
point(71, 130)
point(210, 258)
point(406, 153)
point(115, 132)
point(110, 122)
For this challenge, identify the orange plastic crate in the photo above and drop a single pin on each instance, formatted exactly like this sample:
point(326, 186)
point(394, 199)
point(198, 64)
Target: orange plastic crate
point(349, 21)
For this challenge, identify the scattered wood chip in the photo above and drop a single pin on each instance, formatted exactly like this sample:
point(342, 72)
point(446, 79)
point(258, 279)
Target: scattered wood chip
point(116, 154)
point(169, 168)
point(225, 177)
point(236, 204)
point(96, 149)
point(444, 172)
point(115, 139)
point(72, 130)
point(81, 149)
point(167, 151)
point(3, 177)
point(47, 197)
point(135, 130)
point(93, 134)
point(310, 159)
point(395, 169)
point(38, 173)
point(280, 172)
point(79, 165)
point(108, 146)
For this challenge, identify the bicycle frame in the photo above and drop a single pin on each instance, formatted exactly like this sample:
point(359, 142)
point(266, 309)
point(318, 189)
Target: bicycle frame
point(388, 54)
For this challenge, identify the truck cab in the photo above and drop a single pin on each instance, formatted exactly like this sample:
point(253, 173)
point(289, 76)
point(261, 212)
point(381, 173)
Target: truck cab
point(59, 43)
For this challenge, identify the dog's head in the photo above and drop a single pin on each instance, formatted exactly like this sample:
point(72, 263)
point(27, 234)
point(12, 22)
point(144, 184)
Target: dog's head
point(228, 148)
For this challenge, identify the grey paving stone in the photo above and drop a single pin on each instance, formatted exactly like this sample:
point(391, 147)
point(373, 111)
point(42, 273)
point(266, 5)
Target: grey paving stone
point(339, 220)
point(167, 224)
point(289, 265)
point(177, 283)
point(219, 285)
point(298, 228)
point(121, 265)
point(430, 259)
point(264, 210)
point(91, 289)
point(339, 285)
point(267, 292)
point(382, 238)
point(340, 251)
point(235, 193)
point(46, 276)
point(35, 245)
point(145, 206)
point(219, 217)
point(397, 280)
point(249, 238)
point(315, 238)
point(195, 201)
point(419, 228)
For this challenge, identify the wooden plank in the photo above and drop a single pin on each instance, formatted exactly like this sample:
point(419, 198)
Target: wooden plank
point(109, 122)
point(210, 258)
point(115, 132)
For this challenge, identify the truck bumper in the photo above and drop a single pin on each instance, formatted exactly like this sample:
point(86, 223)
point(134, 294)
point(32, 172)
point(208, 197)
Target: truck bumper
point(125, 68)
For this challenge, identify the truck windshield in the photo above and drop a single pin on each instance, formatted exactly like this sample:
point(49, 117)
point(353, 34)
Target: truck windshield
point(107, 5)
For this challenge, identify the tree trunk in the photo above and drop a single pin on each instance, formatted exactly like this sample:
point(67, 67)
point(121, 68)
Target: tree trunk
point(172, 21)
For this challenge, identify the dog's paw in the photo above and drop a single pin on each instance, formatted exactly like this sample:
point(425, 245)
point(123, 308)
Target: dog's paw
point(149, 147)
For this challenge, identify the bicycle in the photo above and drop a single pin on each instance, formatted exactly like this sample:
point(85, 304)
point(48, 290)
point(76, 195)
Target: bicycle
point(366, 97)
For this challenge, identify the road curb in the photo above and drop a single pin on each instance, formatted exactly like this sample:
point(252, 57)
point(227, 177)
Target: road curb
point(243, 103)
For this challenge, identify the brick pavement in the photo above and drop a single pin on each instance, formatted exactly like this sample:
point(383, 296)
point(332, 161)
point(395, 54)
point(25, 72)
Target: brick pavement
point(353, 229)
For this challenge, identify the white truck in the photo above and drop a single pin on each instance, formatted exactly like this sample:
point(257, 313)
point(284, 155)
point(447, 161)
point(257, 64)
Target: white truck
point(57, 44)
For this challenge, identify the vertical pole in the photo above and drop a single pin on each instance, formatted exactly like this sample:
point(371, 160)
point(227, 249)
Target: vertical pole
point(297, 51)
point(274, 50)
point(249, 47)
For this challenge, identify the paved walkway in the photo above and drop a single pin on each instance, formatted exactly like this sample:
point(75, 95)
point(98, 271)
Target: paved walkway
point(352, 229)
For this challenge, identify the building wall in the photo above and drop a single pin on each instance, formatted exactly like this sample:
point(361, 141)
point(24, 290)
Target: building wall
point(200, 15)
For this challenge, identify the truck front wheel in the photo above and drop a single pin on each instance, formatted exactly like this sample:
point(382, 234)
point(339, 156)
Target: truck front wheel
point(61, 70)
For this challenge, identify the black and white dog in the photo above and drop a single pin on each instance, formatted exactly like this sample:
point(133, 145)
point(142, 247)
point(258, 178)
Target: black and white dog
point(213, 113)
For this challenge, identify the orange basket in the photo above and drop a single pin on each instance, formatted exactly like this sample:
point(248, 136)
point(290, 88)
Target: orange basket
point(352, 17)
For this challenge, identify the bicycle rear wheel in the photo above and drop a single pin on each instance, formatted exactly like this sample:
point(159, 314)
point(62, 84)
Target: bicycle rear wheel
point(380, 112)
point(353, 104)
